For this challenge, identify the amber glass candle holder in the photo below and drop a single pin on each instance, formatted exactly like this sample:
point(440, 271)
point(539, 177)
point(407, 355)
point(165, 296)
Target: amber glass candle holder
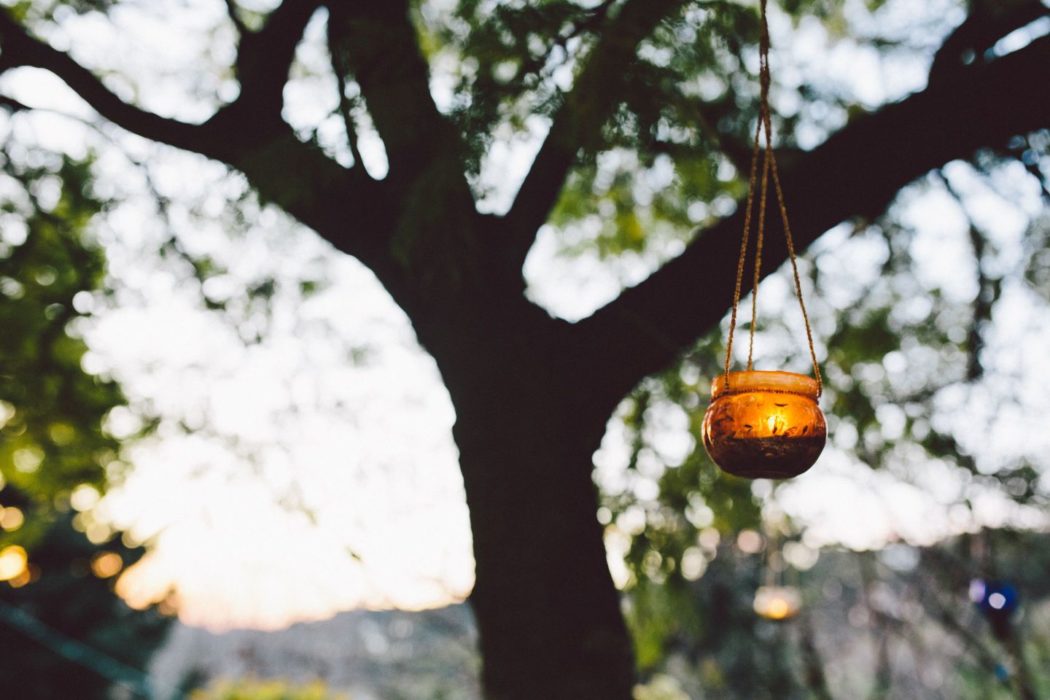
point(764, 425)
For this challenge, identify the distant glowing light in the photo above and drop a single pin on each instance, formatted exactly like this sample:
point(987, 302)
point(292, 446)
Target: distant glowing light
point(24, 578)
point(27, 459)
point(694, 563)
point(997, 601)
point(709, 538)
point(977, 590)
point(84, 497)
point(106, 564)
point(749, 541)
point(7, 412)
point(777, 602)
point(98, 533)
point(13, 562)
point(778, 609)
point(11, 518)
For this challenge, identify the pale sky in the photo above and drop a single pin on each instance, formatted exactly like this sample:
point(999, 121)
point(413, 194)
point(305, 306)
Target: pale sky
point(330, 440)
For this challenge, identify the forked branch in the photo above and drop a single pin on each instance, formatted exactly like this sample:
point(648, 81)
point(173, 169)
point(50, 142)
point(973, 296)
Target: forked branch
point(577, 123)
point(248, 134)
point(856, 172)
point(264, 57)
point(21, 49)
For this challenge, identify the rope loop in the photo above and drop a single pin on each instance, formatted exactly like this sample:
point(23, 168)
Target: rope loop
point(763, 147)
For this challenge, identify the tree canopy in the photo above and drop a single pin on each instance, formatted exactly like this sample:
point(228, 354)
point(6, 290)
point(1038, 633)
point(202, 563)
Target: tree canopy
point(639, 114)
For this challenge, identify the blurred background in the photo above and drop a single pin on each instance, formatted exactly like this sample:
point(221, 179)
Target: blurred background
point(226, 466)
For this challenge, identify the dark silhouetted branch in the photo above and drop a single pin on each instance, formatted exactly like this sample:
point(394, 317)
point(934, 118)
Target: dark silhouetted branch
point(341, 70)
point(264, 57)
point(322, 194)
point(11, 105)
point(856, 172)
point(22, 49)
point(577, 123)
point(376, 42)
point(984, 26)
point(812, 663)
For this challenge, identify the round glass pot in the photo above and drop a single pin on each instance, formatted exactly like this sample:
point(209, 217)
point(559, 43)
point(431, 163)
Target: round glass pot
point(764, 425)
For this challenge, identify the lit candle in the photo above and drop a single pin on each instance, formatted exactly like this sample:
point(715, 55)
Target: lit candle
point(764, 424)
point(776, 423)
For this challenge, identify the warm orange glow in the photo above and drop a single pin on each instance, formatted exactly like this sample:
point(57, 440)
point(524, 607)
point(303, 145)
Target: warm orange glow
point(777, 602)
point(106, 564)
point(11, 518)
point(764, 424)
point(167, 607)
point(13, 562)
point(22, 579)
point(778, 609)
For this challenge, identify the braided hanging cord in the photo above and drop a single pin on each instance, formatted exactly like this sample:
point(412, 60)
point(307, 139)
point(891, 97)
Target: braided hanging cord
point(764, 147)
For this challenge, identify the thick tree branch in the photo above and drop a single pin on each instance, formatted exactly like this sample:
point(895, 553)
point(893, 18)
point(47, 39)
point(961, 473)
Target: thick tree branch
point(988, 21)
point(435, 239)
point(346, 106)
point(577, 124)
point(857, 172)
point(21, 49)
point(375, 40)
point(323, 194)
point(262, 65)
point(264, 57)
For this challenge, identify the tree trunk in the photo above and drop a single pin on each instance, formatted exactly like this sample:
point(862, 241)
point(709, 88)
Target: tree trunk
point(548, 613)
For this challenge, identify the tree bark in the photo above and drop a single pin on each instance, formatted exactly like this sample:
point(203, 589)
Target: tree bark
point(548, 613)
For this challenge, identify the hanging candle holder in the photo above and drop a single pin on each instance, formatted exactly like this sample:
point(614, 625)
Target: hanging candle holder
point(776, 600)
point(777, 603)
point(764, 424)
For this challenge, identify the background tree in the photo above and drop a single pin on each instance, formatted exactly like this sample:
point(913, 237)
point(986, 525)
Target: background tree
point(63, 631)
point(893, 623)
point(532, 394)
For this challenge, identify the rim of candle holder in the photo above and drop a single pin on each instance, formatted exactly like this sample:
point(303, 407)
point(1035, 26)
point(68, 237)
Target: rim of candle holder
point(766, 381)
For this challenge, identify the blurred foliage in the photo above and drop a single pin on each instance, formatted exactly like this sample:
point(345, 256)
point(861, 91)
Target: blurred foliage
point(1037, 267)
point(894, 350)
point(672, 152)
point(267, 690)
point(24, 10)
point(66, 594)
point(54, 443)
point(896, 623)
point(52, 412)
